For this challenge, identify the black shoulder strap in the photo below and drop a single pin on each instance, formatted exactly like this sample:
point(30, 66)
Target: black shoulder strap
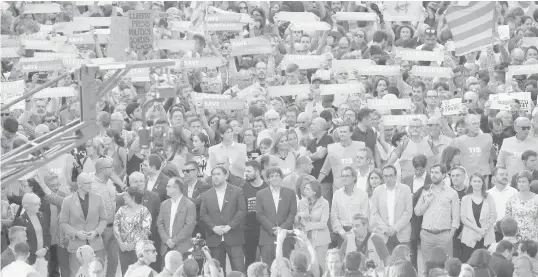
point(363, 248)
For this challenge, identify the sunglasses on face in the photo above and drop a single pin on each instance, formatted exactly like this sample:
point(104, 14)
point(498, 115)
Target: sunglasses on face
point(525, 128)
point(4, 114)
point(467, 101)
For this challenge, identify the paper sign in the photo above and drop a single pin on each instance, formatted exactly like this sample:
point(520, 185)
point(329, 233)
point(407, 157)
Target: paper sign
point(419, 55)
point(42, 8)
point(312, 26)
point(87, 38)
point(47, 29)
point(200, 62)
point(12, 91)
point(100, 61)
point(51, 55)
point(45, 45)
point(249, 92)
point(522, 69)
point(504, 32)
point(228, 18)
point(182, 26)
point(119, 38)
point(381, 70)
point(525, 101)
point(138, 74)
point(9, 52)
point(251, 46)
point(140, 30)
point(432, 71)
point(199, 98)
point(355, 16)
point(41, 65)
point(85, 3)
point(303, 61)
point(68, 91)
point(226, 26)
point(176, 45)
point(452, 106)
point(288, 90)
point(10, 41)
point(342, 88)
point(402, 10)
point(502, 101)
point(402, 120)
point(389, 104)
point(529, 41)
point(92, 21)
point(73, 62)
point(296, 16)
point(224, 104)
point(102, 32)
point(351, 64)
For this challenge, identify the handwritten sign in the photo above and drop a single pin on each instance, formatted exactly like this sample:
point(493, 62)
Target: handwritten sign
point(223, 26)
point(228, 17)
point(522, 69)
point(41, 65)
point(381, 70)
point(355, 16)
point(73, 62)
point(432, 71)
point(452, 106)
point(251, 46)
point(200, 62)
point(224, 104)
point(303, 61)
point(10, 41)
point(402, 120)
point(42, 8)
point(389, 104)
point(176, 45)
point(119, 38)
point(140, 30)
point(182, 26)
point(504, 32)
point(342, 89)
point(9, 52)
point(139, 74)
point(419, 55)
point(12, 91)
point(502, 101)
point(402, 11)
point(296, 16)
point(56, 92)
point(288, 90)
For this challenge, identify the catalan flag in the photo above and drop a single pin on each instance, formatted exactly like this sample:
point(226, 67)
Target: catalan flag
point(472, 26)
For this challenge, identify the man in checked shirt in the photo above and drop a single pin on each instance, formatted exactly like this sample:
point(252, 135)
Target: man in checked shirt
point(440, 207)
point(103, 186)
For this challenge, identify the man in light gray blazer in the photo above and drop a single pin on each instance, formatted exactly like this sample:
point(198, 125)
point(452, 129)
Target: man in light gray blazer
point(391, 209)
point(83, 219)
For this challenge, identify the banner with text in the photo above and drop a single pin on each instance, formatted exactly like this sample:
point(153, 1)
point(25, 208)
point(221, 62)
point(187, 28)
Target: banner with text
point(12, 91)
point(452, 106)
point(176, 45)
point(402, 120)
point(432, 71)
point(38, 64)
point(419, 55)
point(389, 104)
point(381, 70)
point(56, 92)
point(288, 90)
point(140, 30)
point(402, 11)
point(251, 46)
point(355, 16)
point(303, 61)
point(200, 62)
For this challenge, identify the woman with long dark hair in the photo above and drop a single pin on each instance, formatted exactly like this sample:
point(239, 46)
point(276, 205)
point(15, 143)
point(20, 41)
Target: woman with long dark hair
point(199, 153)
point(112, 145)
point(249, 139)
point(479, 260)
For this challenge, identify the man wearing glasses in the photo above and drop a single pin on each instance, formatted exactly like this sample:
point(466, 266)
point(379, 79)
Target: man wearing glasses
point(513, 147)
point(430, 39)
point(194, 188)
point(147, 254)
point(272, 119)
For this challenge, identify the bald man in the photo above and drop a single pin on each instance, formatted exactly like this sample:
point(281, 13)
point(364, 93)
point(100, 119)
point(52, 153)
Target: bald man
point(172, 261)
point(517, 56)
point(303, 128)
point(513, 147)
point(83, 219)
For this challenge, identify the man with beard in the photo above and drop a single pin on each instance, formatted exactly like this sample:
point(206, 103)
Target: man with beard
point(513, 147)
point(253, 184)
point(272, 119)
point(261, 73)
point(31, 118)
point(302, 130)
point(501, 193)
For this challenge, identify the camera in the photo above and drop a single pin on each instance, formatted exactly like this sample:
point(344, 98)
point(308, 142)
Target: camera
point(196, 250)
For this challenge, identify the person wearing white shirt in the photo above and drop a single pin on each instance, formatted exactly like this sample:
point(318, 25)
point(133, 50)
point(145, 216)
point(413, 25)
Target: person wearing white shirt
point(501, 193)
point(19, 267)
point(364, 159)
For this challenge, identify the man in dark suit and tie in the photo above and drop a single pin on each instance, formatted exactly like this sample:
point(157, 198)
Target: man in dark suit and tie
point(276, 207)
point(157, 179)
point(194, 187)
point(417, 183)
point(223, 210)
point(17, 234)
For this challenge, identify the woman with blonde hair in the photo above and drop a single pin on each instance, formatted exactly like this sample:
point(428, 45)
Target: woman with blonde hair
point(466, 271)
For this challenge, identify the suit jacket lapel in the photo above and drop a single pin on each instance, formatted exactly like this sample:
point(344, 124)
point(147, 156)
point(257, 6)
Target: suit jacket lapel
point(79, 205)
point(226, 195)
point(179, 206)
point(396, 200)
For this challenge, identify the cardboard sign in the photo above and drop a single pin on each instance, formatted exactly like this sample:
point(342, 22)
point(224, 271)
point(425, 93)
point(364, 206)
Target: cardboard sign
point(45, 45)
point(402, 120)
point(432, 71)
point(342, 89)
point(452, 106)
point(355, 16)
point(529, 41)
point(288, 90)
point(12, 91)
point(119, 38)
point(296, 16)
point(92, 21)
point(389, 104)
point(224, 104)
point(9, 52)
point(522, 69)
point(303, 61)
point(352, 64)
point(419, 55)
point(381, 70)
point(312, 26)
point(402, 11)
point(251, 46)
point(41, 65)
point(226, 26)
point(176, 45)
point(199, 98)
point(140, 30)
point(68, 91)
point(42, 8)
point(200, 62)
point(87, 38)
point(139, 74)
point(504, 32)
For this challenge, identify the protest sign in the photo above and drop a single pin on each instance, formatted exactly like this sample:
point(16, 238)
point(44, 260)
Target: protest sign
point(87, 38)
point(529, 41)
point(9, 52)
point(452, 106)
point(10, 41)
point(52, 55)
point(100, 61)
point(102, 32)
point(389, 104)
point(47, 29)
point(351, 64)
point(249, 92)
point(92, 21)
point(33, 64)
point(419, 55)
point(228, 18)
point(288, 90)
point(119, 38)
point(355, 16)
point(139, 74)
point(502, 101)
point(296, 16)
point(140, 30)
point(381, 70)
point(199, 98)
point(303, 61)
point(68, 91)
point(42, 8)
point(200, 62)
point(312, 26)
point(12, 91)
point(402, 120)
point(176, 44)
point(45, 45)
point(524, 98)
point(224, 104)
point(522, 69)
point(342, 89)
point(73, 62)
point(182, 26)
point(432, 71)
point(504, 32)
point(85, 3)
point(223, 26)
point(251, 46)
point(402, 11)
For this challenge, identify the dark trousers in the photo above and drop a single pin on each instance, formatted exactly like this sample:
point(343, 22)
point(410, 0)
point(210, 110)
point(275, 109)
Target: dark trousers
point(127, 258)
point(498, 233)
point(268, 252)
point(252, 237)
point(457, 247)
point(392, 242)
point(54, 265)
point(235, 254)
point(327, 192)
point(414, 251)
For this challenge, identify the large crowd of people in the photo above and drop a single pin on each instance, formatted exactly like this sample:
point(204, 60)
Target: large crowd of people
point(317, 138)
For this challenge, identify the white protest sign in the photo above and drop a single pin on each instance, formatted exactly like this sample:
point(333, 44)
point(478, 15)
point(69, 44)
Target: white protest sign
point(45, 45)
point(176, 44)
point(73, 62)
point(92, 21)
point(522, 69)
point(224, 104)
point(46, 28)
point(85, 3)
point(140, 30)
point(349, 88)
point(223, 26)
point(38, 64)
point(12, 91)
point(68, 91)
point(432, 71)
point(504, 32)
point(389, 104)
point(452, 106)
point(102, 32)
point(355, 16)
point(303, 61)
point(42, 8)
point(119, 38)
point(529, 41)
point(182, 26)
point(419, 55)
point(200, 62)
point(296, 16)
point(402, 10)
point(52, 55)
point(87, 38)
point(352, 64)
point(199, 98)
point(100, 61)
point(402, 120)
point(288, 90)
point(525, 101)
point(502, 101)
point(381, 70)
point(249, 92)
point(228, 17)
point(10, 41)
point(139, 74)
point(250, 46)
point(9, 52)
point(312, 26)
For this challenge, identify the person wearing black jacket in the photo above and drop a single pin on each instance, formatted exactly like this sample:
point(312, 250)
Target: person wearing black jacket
point(500, 260)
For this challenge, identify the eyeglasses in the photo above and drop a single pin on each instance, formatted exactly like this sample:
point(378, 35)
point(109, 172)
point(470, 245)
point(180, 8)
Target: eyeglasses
point(151, 250)
point(188, 170)
point(467, 101)
point(4, 114)
point(242, 8)
point(346, 176)
point(50, 120)
point(414, 127)
point(525, 128)
point(432, 96)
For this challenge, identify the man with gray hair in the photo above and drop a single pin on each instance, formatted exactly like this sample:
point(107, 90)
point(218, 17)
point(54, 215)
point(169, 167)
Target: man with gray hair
point(274, 125)
point(172, 261)
point(303, 128)
point(513, 147)
point(147, 254)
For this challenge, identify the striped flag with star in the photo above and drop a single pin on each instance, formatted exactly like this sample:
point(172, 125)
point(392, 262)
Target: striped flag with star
point(472, 26)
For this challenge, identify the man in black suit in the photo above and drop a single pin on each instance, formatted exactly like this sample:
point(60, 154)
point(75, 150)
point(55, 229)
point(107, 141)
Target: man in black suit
point(156, 178)
point(419, 182)
point(194, 187)
point(276, 208)
point(223, 210)
point(17, 234)
point(501, 259)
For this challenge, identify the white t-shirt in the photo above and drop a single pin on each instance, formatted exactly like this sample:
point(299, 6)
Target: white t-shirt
point(17, 268)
